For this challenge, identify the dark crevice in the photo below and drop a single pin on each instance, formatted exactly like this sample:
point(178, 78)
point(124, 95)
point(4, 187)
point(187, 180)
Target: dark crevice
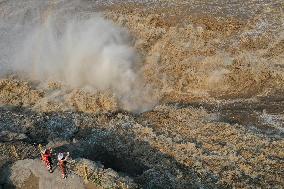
point(120, 164)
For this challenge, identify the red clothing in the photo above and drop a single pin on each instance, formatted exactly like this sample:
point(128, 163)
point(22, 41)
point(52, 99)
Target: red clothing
point(62, 165)
point(46, 157)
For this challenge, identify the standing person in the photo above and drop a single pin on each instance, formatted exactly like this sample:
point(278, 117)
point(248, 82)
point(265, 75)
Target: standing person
point(46, 156)
point(62, 161)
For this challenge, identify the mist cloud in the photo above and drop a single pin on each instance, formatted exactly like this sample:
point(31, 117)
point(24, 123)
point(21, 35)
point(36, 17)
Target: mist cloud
point(84, 53)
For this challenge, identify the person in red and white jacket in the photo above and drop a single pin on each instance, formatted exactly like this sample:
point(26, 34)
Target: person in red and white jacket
point(46, 156)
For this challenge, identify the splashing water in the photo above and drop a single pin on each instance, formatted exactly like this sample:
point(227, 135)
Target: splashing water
point(81, 52)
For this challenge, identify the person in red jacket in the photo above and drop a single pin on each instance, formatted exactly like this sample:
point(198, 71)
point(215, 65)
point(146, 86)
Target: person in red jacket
point(62, 161)
point(46, 156)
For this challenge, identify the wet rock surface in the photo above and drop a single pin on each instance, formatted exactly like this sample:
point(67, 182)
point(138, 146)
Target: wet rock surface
point(198, 151)
point(6, 136)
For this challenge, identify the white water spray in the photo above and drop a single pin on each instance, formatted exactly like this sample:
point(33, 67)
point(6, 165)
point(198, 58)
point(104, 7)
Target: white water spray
point(81, 52)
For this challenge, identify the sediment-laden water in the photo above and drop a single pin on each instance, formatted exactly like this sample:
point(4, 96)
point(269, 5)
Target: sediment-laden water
point(167, 94)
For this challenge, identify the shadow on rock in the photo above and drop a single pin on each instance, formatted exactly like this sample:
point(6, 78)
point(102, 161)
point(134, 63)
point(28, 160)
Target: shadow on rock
point(4, 176)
